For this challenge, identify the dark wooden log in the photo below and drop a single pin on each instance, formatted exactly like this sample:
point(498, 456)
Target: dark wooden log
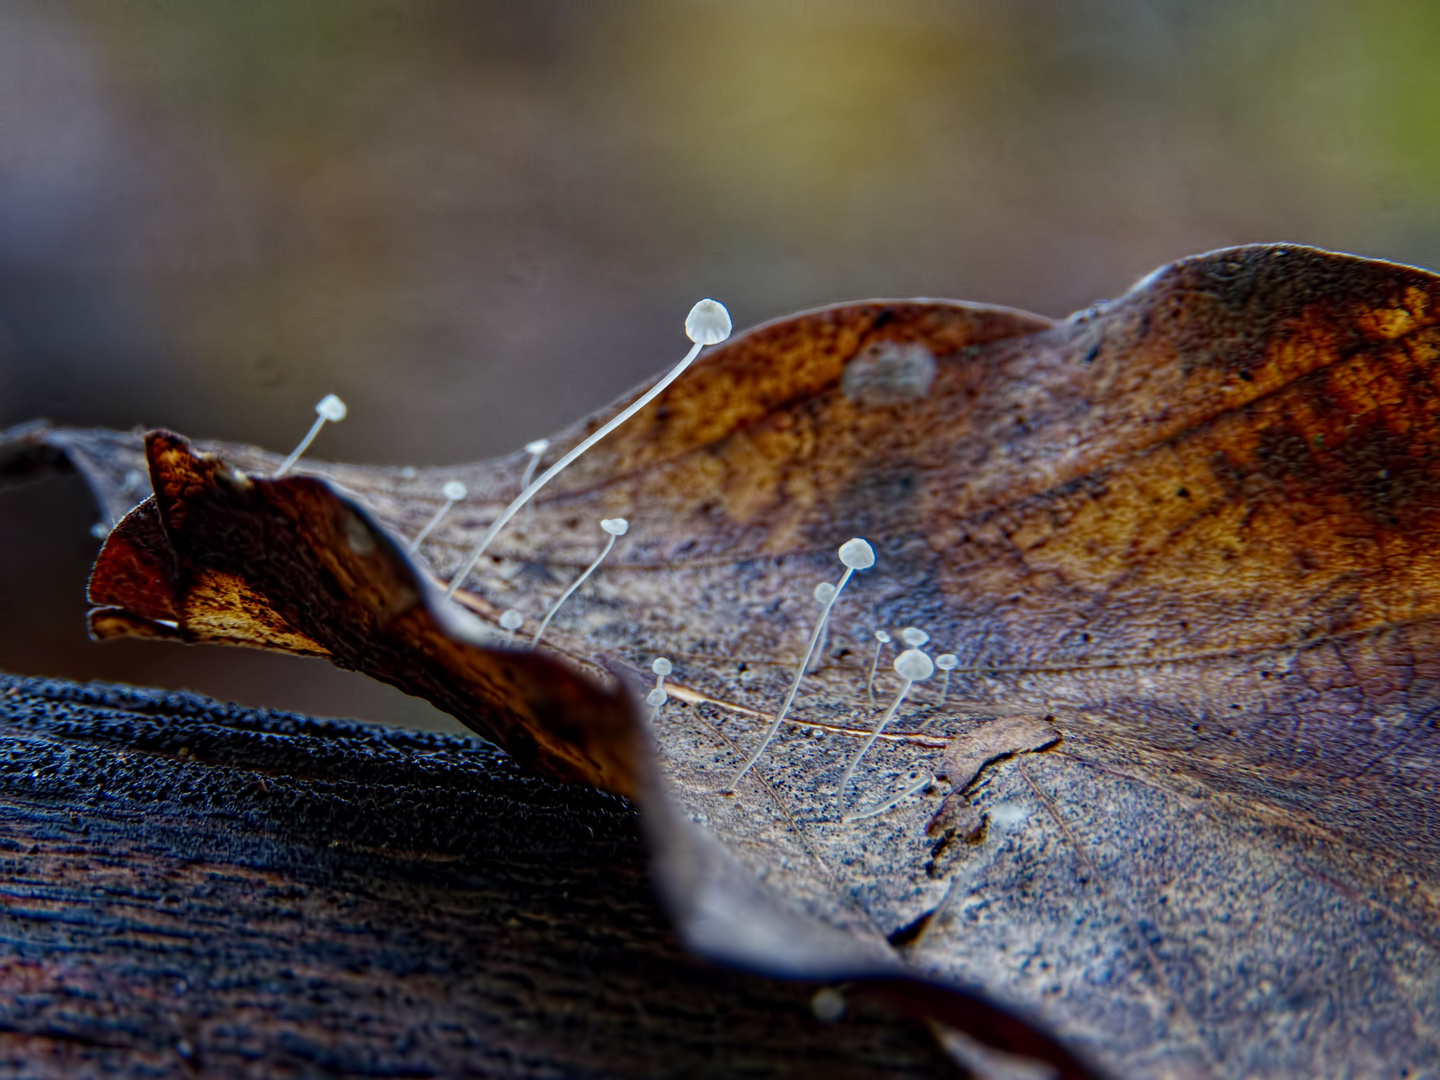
point(193, 888)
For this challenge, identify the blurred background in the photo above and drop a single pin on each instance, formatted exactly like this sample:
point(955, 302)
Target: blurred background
point(477, 222)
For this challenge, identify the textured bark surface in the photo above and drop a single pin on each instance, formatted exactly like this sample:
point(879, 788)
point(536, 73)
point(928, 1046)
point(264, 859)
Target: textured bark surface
point(194, 888)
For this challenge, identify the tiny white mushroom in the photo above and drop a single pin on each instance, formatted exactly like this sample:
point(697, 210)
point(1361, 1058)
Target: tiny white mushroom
point(661, 667)
point(453, 492)
point(657, 697)
point(707, 324)
point(534, 449)
point(914, 637)
point(912, 666)
point(613, 527)
point(327, 408)
point(881, 640)
point(510, 621)
point(855, 554)
point(946, 662)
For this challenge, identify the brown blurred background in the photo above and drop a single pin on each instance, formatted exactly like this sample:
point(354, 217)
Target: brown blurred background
point(478, 221)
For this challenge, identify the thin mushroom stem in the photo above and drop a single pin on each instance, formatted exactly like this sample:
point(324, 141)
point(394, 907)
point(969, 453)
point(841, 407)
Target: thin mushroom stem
point(329, 407)
point(555, 470)
point(707, 330)
point(453, 491)
point(535, 449)
point(819, 657)
point(544, 623)
point(946, 662)
point(435, 519)
point(289, 462)
point(823, 594)
point(881, 640)
point(613, 527)
point(904, 793)
point(855, 761)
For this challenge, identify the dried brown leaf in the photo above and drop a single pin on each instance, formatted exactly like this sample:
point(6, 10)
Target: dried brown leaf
point(1193, 526)
point(222, 556)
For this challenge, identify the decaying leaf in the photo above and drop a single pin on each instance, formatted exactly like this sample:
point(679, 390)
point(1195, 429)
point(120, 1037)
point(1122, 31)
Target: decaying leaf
point(1192, 526)
point(218, 556)
point(222, 556)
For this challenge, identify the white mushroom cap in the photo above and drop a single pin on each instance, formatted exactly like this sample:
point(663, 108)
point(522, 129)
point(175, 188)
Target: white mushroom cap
point(914, 636)
point(660, 666)
point(912, 665)
point(857, 554)
point(824, 592)
point(947, 661)
point(882, 637)
point(511, 619)
point(708, 323)
point(615, 526)
point(331, 407)
point(656, 698)
point(453, 490)
point(538, 447)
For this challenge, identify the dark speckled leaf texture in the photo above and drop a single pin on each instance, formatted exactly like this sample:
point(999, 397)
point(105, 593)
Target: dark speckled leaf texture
point(1178, 804)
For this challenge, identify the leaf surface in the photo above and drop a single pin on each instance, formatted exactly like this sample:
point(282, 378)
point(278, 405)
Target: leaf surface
point(1189, 531)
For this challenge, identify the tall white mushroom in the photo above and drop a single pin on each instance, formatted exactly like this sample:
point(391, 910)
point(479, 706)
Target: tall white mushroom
point(707, 324)
point(329, 407)
point(613, 527)
point(453, 492)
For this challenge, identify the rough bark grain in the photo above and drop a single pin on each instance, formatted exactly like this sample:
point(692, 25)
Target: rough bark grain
point(192, 888)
